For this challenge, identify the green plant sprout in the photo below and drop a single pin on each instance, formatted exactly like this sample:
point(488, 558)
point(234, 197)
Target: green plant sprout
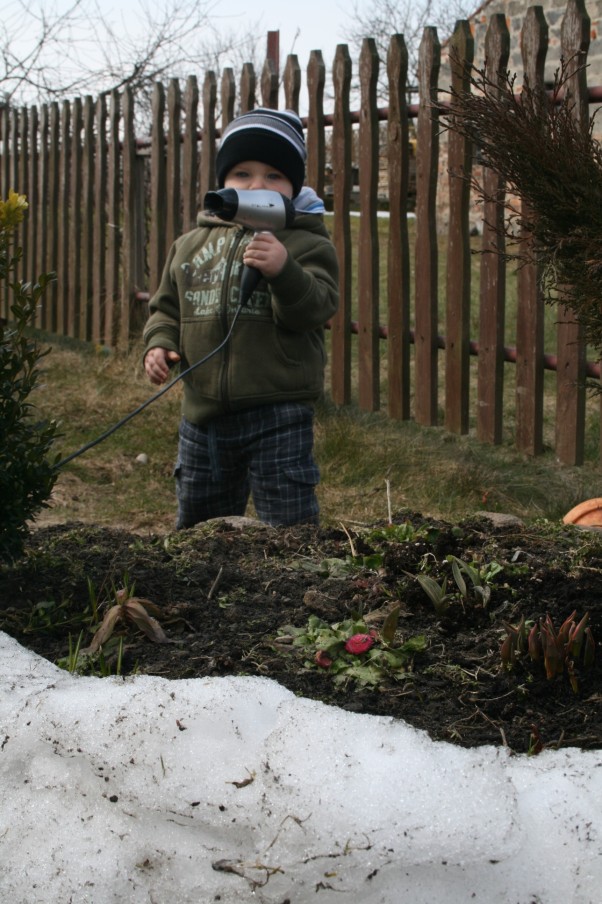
point(401, 533)
point(340, 568)
point(558, 650)
point(475, 590)
point(70, 662)
point(50, 616)
point(480, 579)
point(437, 593)
point(351, 650)
point(515, 642)
point(80, 662)
point(93, 600)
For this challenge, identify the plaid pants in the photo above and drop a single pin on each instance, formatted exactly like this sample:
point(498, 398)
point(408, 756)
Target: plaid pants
point(266, 452)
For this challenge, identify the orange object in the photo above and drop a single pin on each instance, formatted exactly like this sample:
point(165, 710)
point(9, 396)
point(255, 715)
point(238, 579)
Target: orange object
point(589, 512)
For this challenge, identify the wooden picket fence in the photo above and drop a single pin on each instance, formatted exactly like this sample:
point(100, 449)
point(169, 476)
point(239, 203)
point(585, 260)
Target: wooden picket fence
point(106, 205)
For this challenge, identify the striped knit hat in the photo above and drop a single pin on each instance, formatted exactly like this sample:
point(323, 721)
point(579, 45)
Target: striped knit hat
point(274, 137)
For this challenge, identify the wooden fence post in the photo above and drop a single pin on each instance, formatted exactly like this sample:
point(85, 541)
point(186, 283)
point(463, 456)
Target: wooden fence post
point(190, 155)
point(368, 257)
point(114, 234)
point(316, 145)
point(13, 176)
point(341, 187)
point(132, 266)
point(292, 82)
point(247, 88)
point(398, 258)
point(42, 212)
point(269, 84)
point(88, 219)
point(457, 321)
point(207, 167)
point(427, 161)
point(75, 220)
point(173, 201)
point(24, 187)
point(5, 149)
point(51, 322)
point(5, 187)
point(158, 190)
point(571, 348)
point(228, 96)
point(99, 237)
point(34, 199)
point(34, 194)
point(530, 309)
point(63, 222)
point(492, 297)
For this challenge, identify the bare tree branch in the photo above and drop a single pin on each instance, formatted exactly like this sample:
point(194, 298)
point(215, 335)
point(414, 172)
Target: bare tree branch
point(382, 18)
point(46, 55)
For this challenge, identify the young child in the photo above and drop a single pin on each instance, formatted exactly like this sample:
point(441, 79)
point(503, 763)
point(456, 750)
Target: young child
point(247, 414)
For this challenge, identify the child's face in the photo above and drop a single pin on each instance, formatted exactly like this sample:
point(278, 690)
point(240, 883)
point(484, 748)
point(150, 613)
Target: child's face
point(252, 174)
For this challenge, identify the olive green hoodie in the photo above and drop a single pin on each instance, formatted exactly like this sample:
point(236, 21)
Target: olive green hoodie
point(276, 351)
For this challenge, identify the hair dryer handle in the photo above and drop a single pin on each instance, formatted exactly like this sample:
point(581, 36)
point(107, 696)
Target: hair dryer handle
point(248, 283)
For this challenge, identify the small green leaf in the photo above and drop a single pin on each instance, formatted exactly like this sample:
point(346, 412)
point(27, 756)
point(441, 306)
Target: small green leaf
point(430, 586)
point(416, 644)
point(460, 582)
point(390, 626)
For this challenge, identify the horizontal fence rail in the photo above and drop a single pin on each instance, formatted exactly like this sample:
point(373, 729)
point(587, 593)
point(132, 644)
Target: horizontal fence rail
point(105, 205)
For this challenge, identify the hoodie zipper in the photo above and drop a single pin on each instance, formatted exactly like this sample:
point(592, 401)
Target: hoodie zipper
point(224, 318)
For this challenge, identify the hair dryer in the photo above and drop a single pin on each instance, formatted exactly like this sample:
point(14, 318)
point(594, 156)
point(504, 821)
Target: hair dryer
point(258, 209)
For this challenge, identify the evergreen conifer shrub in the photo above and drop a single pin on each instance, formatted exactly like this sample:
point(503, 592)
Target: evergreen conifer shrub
point(27, 473)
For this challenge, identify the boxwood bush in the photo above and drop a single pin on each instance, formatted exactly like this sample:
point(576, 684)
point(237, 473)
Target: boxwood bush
point(27, 466)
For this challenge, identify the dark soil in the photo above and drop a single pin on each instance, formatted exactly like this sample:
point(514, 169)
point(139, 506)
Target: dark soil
point(228, 591)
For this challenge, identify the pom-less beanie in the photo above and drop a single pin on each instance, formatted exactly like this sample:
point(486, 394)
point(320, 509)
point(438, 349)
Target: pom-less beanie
point(274, 137)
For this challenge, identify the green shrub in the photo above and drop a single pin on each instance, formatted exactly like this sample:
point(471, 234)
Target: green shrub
point(27, 476)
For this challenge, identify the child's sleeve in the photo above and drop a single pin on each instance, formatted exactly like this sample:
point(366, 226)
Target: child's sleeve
point(305, 294)
point(162, 328)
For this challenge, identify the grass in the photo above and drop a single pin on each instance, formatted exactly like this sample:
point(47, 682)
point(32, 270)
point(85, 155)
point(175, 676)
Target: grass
point(368, 462)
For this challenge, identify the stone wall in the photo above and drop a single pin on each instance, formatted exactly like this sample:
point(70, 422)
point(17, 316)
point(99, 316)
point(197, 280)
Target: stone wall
point(514, 11)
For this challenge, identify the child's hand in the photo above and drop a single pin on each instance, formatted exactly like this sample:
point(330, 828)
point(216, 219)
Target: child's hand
point(157, 363)
point(266, 253)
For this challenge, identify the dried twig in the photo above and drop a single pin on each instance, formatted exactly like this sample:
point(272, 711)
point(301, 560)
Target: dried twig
point(216, 582)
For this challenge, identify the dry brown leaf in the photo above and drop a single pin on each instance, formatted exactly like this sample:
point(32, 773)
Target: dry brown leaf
point(245, 781)
point(104, 631)
point(148, 605)
point(135, 612)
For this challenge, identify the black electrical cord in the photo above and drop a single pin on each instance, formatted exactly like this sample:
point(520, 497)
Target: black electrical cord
point(246, 289)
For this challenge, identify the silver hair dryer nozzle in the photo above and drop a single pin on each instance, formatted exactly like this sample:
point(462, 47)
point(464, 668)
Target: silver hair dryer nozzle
point(257, 209)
